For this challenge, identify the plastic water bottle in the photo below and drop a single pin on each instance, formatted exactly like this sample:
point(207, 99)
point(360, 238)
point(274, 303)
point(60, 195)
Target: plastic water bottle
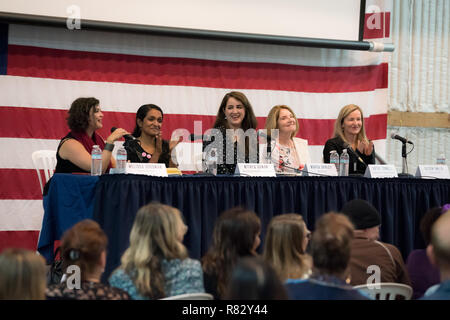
point(344, 163)
point(96, 165)
point(211, 162)
point(121, 158)
point(334, 159)
point(441, 159)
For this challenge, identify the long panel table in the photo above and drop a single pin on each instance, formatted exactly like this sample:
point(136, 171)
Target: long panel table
point(113, 201)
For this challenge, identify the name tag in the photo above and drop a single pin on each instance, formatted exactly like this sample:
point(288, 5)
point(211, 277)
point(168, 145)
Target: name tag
point(319, 169)
point(381, 171)
point(255, 170)
point(148, 169)
point(432, 171)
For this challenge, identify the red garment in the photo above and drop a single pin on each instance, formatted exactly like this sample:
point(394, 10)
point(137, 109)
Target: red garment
point(89, 142)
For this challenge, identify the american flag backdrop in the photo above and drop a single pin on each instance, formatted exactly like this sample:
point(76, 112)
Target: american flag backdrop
point(43, 69)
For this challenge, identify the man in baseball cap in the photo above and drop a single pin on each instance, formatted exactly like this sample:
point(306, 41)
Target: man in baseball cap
point(367, 251)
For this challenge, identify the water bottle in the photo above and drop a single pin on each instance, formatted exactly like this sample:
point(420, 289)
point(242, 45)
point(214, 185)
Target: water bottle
point(334, 158)
point(344, 163)
point(211, 161)
point(441, 159)
point(96, 165)
point(121, 158)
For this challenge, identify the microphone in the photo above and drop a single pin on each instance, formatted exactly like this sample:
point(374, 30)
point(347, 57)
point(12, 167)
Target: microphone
point(193, 137)
point(126, 136)
point(397, 137)
point(350, 150)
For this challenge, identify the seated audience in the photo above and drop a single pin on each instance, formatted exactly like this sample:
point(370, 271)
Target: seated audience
point(422, 273)
point(235, 235)
point(330, 250)
point(288, 152)
point(149, 147)
point(74, 150)
point(235, 112)
point(156, 264)
point(285, 247)
point(84, 245)
point(253, 279)
point(349, 132)
point(367, 250)
point(22, 275)
point(439, 254)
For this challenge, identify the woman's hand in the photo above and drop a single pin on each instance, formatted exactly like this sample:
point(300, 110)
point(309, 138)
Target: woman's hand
point(174, 143)
point(116, 135)
point(365, 147)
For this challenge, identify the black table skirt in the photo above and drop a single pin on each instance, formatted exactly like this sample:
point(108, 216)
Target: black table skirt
point(401, 202)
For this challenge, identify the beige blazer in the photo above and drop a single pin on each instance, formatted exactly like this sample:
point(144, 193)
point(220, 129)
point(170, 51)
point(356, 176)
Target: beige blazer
point(301, 145)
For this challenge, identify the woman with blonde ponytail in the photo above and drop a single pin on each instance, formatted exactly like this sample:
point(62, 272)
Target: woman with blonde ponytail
point(156, 264)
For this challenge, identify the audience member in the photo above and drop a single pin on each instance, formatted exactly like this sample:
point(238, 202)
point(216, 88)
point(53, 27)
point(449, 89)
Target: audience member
point(285, 247)
point(287, 151)
point(330, 249)
point(235, 235)
point(422, 273)
point(439, 254)
point(84, 245)
point(368, 251)
point(22, 275)
point(74, 150)
point(349, 132)
point(235, 112)
point(156, 264)
point(253, 279)
point(149, 145)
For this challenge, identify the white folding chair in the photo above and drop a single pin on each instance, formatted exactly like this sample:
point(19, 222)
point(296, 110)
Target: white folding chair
point(191, 296)
point(386, 290)
point(44, 160)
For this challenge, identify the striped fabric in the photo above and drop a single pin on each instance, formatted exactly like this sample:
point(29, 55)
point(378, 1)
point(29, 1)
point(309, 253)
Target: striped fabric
point(43, 69)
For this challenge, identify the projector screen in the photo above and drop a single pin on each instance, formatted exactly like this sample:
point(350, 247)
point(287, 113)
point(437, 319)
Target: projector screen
point(324, 19)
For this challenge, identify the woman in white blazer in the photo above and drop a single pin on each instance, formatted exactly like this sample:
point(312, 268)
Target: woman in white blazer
point(288, 153)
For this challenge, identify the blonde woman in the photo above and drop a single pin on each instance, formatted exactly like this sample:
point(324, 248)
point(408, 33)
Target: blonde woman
point(285, 246)
point(289, 153)
point(156, 264)
point(22, 275)
point(349, 132)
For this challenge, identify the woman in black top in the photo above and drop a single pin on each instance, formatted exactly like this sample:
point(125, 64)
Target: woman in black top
point(235, 112)
point(148, 145)
point(349, 133)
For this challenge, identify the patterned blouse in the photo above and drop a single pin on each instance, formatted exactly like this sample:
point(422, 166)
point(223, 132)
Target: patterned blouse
point(88, 291)
point(182, 276)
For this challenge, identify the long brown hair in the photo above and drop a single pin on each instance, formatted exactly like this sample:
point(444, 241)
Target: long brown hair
point(283, 247)
point(249, 121)
point(233, 237)
point(339, 131)
point(22, 275)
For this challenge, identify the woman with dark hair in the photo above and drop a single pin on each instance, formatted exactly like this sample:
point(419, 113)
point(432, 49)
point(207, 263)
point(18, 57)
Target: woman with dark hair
point(422, 273)
point(235, 112)
point(84, 246)
point(149, 145)
point(254, 279)
point(236, 234)
point(74, 150)
point(349, 132)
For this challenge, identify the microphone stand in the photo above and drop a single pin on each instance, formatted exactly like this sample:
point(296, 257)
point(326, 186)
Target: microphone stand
point(404, 173)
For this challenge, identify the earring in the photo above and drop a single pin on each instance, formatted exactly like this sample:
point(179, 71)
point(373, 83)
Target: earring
point(225, 117)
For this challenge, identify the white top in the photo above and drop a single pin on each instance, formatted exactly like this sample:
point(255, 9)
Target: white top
point(292, 157)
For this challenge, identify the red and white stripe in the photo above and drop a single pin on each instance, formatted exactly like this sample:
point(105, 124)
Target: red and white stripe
point(48, 68)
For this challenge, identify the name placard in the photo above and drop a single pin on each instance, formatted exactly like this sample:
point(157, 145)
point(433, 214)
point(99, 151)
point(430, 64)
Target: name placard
point(381, 171)
point(438, 171)
point(148, 169)
point(255, 170)
point(320, 169)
